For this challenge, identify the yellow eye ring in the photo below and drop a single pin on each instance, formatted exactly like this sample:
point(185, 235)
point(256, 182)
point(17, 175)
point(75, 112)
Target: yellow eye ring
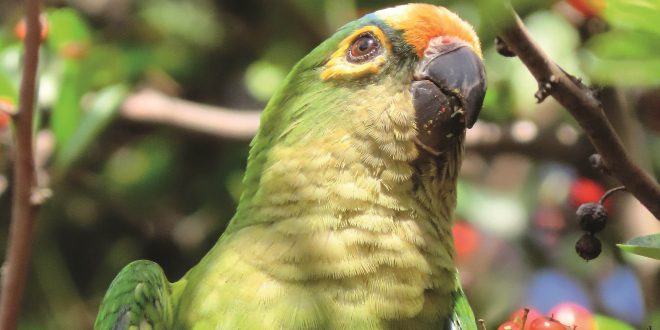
point(343, 63)
point(364, 48)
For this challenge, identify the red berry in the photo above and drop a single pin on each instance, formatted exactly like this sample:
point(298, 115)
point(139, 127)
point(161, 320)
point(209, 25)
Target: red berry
point(466, 239)
point(585, 190)
point(4, 120)
point(508, 325)
point(574, 315)
point(6, 105)
point(546, 323)
point(21, 29)
point(74, 50)
point(518, 315)
point(588, 8)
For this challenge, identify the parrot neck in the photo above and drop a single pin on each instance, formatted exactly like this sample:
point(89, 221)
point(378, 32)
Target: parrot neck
point(354, 209)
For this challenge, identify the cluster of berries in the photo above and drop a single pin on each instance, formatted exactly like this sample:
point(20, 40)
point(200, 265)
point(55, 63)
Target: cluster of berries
point(564, 316)
point(592, 218)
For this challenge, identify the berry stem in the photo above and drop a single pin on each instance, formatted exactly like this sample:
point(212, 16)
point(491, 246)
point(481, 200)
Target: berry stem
point(482, 324)
point(608, 193)
point(524, 319)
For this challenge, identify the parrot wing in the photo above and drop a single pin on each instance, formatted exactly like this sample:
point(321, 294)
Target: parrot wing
point(138, 298)
point(462, 317)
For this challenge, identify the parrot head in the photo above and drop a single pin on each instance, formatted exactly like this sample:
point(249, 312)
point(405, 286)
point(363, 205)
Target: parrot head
point(393, 91)
point(424, 51)
point(429, 46)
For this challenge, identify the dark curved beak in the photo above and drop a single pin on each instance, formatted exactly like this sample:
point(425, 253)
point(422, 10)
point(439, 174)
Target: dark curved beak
point(458, 72)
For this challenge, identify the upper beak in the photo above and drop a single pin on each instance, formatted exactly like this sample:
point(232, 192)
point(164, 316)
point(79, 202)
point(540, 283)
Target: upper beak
point(458, 72)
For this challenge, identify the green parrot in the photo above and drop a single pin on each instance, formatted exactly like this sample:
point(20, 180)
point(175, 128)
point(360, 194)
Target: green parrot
point(350, 187)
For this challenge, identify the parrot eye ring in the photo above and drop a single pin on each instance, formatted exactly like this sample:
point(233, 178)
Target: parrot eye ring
point(365, 47)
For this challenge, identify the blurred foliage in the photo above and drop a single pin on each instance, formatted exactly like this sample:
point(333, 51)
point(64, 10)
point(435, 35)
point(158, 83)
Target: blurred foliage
point(124, 190)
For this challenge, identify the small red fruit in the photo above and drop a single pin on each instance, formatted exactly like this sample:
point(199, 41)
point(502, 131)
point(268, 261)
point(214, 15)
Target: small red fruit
point(546, 323)
point(466, 239)
point(518, 315)
point(509, 325)
point(21, 28)
point(6, 106)
point(588, 8)
point(573, 315)
point(74, 50)
point(4, 120)
point(585, 190)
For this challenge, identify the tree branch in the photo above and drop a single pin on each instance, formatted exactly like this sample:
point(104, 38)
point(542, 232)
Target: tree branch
point(587, 111)
point(23, 209)
point(152, 106)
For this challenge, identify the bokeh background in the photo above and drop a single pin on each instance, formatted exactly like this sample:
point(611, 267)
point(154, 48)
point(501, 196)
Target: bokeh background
point(126, 189)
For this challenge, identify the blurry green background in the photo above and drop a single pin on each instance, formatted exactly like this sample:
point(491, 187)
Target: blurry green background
point(125, 190)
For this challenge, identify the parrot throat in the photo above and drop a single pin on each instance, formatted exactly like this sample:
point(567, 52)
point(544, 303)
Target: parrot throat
point(361, 214)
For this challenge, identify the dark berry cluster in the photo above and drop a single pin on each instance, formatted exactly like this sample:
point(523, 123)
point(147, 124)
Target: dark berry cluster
point(592, 218)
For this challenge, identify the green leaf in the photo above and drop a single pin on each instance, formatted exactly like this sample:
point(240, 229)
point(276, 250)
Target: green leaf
point(623, 72)
point(608, 323)
point(66, 29)
point(102, 111)
point(7, 88)
point(10, 69)
point(639, 15)
point(166, 18)
point(66, 110)
point(647, 246)
point(262, 79)
point(627, 54)
point(623, 57)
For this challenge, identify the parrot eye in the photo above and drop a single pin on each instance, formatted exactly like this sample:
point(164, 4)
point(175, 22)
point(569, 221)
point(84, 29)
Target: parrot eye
point(364, 48)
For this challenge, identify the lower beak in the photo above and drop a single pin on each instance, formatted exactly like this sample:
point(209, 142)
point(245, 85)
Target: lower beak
point(457, 72)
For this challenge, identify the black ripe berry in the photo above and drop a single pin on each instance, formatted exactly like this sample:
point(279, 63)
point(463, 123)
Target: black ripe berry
point(588, 247)
point(591, 217)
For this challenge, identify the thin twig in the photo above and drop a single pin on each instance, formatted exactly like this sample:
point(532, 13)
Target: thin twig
point(23, 210)
point(152, 106)
point(587, 111)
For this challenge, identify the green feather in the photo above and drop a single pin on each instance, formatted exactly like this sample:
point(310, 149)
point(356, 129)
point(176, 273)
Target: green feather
point(138, 298)
point(462, 317)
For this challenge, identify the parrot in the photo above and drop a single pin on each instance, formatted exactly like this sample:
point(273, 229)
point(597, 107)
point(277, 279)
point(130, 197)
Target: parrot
point(345, 221)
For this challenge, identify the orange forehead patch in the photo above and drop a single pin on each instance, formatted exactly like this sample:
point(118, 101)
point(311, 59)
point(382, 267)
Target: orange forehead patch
point(422, 22)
